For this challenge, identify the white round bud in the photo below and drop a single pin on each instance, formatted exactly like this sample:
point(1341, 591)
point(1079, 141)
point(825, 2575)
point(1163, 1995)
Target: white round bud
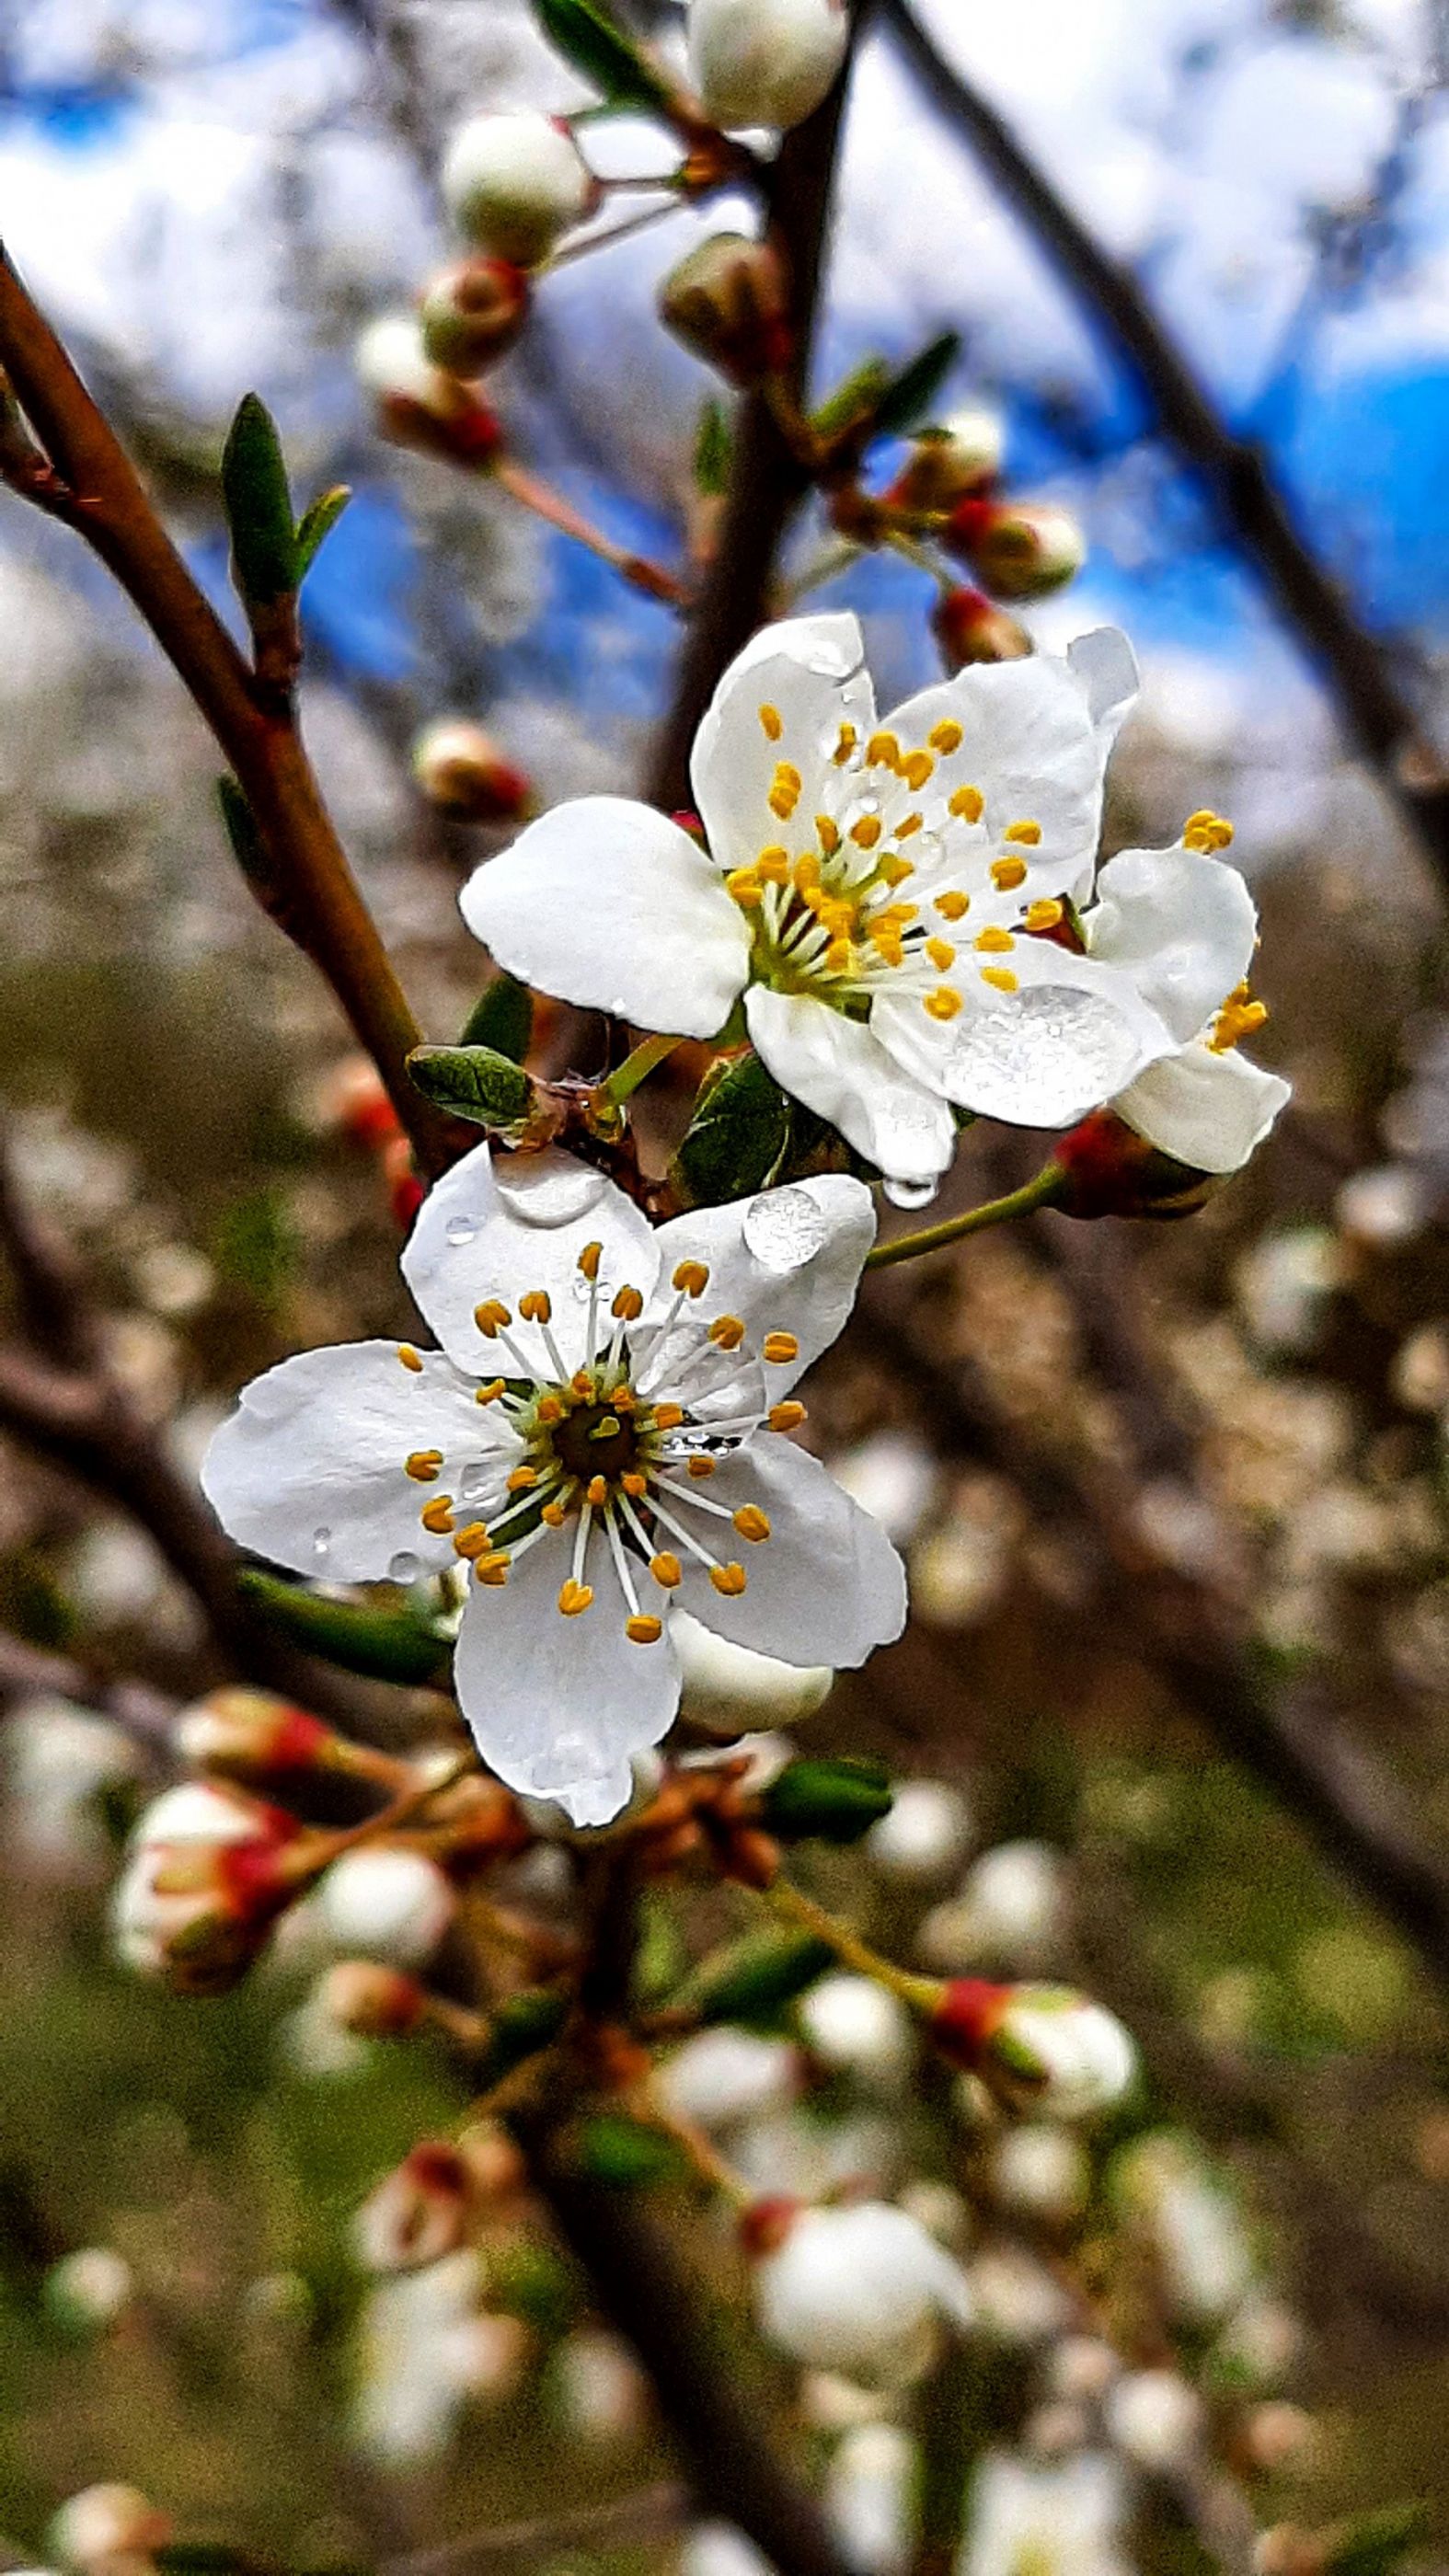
point(106, 2525)
point(1017, 2299)
point(733, 1690)
point(1081, 2369)
point(855, 2289)
point(601, 2393)
point(385, 1903)
point(924, 1835)
point(393, 366)
point(1037, 2170)
point(1007, 1912)
point(514, 183)
point(893, 1477)
point(90, 2288)
point(418, 2213)
point(1155, 2418)
point(719, 2549)
point(1192, 2221)
point(868, 2497)
point(765, 62)
point(194, 1812)
point(723, 2075)
point(1056, 2051)
point(854, 2026)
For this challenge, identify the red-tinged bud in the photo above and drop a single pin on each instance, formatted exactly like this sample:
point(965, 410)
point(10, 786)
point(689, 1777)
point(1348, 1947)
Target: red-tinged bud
point(372, 2002)
point(249, 1734)
point(420, 406)
point(729, 301)
point(967, 2011)
point(461, 770)
point(108, 2528)
point(420, 2213)
point(208, 1875)
point(1109, 1170)
point(1038, 2048)
point(969, 627)
point(1016, 549)
point(764, 2226)
point(689, 822)
point(472, 313)
point(948, 464)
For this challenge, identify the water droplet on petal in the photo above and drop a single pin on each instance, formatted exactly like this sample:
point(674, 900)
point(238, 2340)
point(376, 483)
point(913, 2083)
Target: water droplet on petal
point(1044, 1059)
point(321, 1544)
point(831, 657)
point(475, 1480)
point(911, 1194)
point(461, 1230)
point(549, 1189)
point(404, 1567)
point(784, 1228)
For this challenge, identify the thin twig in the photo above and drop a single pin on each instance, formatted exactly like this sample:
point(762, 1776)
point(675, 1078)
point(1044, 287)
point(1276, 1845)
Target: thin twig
point(653, 2514)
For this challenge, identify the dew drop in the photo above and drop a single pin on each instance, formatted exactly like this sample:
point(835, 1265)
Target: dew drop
point(911, 1194)
point(404, 1567)
point(550, 1189)
point(475, 1480)
point(836, 656)
point(1048, 1059)
point(461, 1230)
point(784, 1228)
point(321, 1544)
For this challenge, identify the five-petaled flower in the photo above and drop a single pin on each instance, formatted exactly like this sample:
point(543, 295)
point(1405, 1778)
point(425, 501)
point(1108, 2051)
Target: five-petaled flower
point(907, 907)
point(598, 1440)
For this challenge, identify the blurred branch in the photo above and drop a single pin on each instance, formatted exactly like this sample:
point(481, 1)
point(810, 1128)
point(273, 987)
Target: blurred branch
point(33, 1672)
point(655, 2513)
point(88, 481)
point(1375, 714)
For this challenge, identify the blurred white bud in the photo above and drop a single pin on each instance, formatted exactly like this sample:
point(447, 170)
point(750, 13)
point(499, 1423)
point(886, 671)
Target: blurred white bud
point(853, 2289)
point(385, 1903)
point(830, 2404)
point(942, 2211)
point(418, 2213)
point(514, 183)
point(1191, 2221)
point(1050, 2432)
point(1419, 1377)
point(601, 2392)
point(893, 1476)
point(719, 2549)
point(1081, 2368)
point(1040, 2171)
point(1261, 2340)
point(765, 62)
point(1283, 1283)
point(1046, 2049)
point(1018, 550)
point(948, 462)
point(724, 2075)
point(425, 2348)
point(108, 2527)
point(854, 2026)
point(1009, 1911)
point(206, 1875)
point(1383, 1207)
point(90, 2288)
point(420, 405)
point(461, 770)
point(1017, 2299)
point(1058, 2518)
point(733, 1690)
point(869, 2497)
point(925, 1834)
point(1277, 2436)
point(1155, 2418)
point(59, 1758)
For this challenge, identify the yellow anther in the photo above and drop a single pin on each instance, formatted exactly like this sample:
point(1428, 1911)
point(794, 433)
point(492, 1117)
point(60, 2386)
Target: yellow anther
point(555, 1514)
point(840, 957)
point(994, 941)
point(589, 1260)
point(953, 905)
point(745, 886)
point(727, 1332)
point(772, 867)
point(597, 1491)
point(522, 1480)
point(471, 1542)
point(917, 767)
point(728, 1579)
point(582, 1383)
point(411, 1359)
point(883, 751)
point(1044, 914)
point(945, 737)
point(836, 916)
point(634, 1484)
point(1206, 830)
point(491, 1317)
point(941, 954)
point(827, 833)
point(623, 1400)
point(424, 1465)
point(943, 1004)
point(1238, 1018)
point(642, 1631)
point(787, 775)
point(893, 869)
point(785, 790)
point(912, 824)
point(666, 1570)
point(773, 723)
point(778, 1348)
point(574, 1598)
point(628, 1306)
point(845, 743)
point(700, 1467)
point(786, 1417)
point(691, 1278)
point(490, 1390)
point(1006, 874)
point(807, 872)
point(885, 939)
point(668, 1417)
point(1001, 976)
point(549, 1410)
point(1028, 833)
point(968, 805)
point(751, 1522)
point(492, 1570)
point(437, 1516)
point(536, 1307)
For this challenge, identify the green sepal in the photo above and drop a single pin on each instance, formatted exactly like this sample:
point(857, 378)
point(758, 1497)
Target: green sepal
point(501, 1018)
point(264, 550)
point(596, 48)
point(713, 450)
point(856, 398)
point(396, 1643)
point(835, 1799)
point(316, 524)
point(910, 394)
point(520, 2027)
point(737, 1138)
point(473, 1082)
point(754, 1978)
point(613, 2148)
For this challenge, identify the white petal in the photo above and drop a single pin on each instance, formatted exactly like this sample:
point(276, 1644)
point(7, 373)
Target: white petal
point(309, 1471)
point(1073, 1033)
point(1106, 665)
point(810, 670)
point(608, 904)
point(826, 1587)
point(839, 1068)
point(559, 1706)
point(786, 1261)
point(1208, 1111)
point(497, 1226)
point(1183, 925)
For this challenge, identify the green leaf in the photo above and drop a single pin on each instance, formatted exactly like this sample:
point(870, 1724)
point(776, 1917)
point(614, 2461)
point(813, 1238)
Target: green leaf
point(473, 1082)
point(501, 1018)
point(264, 552)
point(713, 450)
point(836, 1799)
point(595, 47)
point(1373, 2543)
point(909, 395)
point(737, 1137)
point(398, 1642)
point(857, 397)
point(316, 524)
point(613, 2148)
point(520, 2027)
point(751, 1979)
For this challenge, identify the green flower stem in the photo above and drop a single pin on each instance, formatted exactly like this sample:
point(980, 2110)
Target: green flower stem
point(919, 1993)
point(921, 556)
point(1039, 1191)
point(637, 1067)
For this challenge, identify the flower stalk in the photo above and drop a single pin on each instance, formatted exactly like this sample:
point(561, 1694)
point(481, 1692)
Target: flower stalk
point(1042, 1190)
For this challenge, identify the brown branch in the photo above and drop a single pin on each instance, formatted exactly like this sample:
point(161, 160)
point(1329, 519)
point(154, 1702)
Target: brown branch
point(33, 1672)
point(1375, 714)
point(655, 2513)
point(311, 886)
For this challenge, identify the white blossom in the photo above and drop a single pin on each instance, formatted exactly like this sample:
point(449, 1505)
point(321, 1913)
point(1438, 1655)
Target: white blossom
point(869, 2497)
point(765, 62)
point(599, 1438)
point(723, 2075)
point(1155, 2419)
point(514, 183)
point(856, 2289)
point(730, 1688)
point(1064, 2518)
point(426, 2346)
point(385, 1903)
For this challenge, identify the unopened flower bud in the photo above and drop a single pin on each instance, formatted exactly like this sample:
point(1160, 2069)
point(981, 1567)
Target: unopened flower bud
point(108, 2527)
point(370, 2001)
point(1109, 1170)
point(208, 1874)
point(472, 313)
point(1038, 2048)
point(420, 406)
point(924, 1835)
point(90, 2288)
point(947, 463)
point(1038, 2170)
point(1155, 2418)
point(855, 2290)
point(419, 2214)
point(969, 628)
point(765, 62)
point(854, 2026)
point(514, 183)
point(461, 770)
point(250, 1735)
point(386, 1903)
point(1016, 549)
point(729, 301)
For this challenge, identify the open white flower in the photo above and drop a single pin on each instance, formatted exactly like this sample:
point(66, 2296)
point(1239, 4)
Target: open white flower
point(893, 900)
point(598, 1438)
point(855, 2289)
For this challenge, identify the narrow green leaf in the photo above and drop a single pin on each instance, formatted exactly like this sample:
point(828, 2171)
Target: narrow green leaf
point(399, 1643)
point(597, 49)
point(264, 553)
point(713, 450)
point(909, 395)
point(855, 398)
point(316, 524)
point(613, 2148)
point(751, 1979)
point(501, 1018)
point(836, 1799)
point(519, 2029)
point(736, 1138)
point(473, 1082)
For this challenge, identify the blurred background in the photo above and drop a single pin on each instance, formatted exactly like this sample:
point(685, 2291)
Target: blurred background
point(1173, 1497)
